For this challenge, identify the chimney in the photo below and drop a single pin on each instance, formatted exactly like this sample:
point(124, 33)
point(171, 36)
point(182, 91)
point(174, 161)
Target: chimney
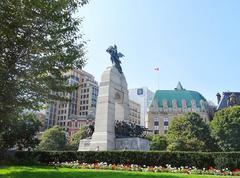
point(218, 98)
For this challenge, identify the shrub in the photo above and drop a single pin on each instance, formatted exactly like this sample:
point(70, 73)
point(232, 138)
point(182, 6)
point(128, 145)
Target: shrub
point(200, 160)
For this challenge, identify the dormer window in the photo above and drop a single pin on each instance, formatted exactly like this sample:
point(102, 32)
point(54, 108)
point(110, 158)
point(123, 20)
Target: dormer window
point(232, 100)
point(174, 104)
point(193, 104)
point(184, 104)
point(165, 104)
point(203, 107)
point(154, 105)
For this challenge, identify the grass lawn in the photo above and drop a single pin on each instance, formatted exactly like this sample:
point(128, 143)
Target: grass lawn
point(49, 172)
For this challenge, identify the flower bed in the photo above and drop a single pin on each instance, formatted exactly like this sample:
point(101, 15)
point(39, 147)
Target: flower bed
point(138, 168)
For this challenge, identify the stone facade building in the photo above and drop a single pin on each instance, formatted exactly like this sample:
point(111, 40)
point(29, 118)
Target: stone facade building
point(74, 123)
point(82, 101)
point(168, 104)
point(135, 112)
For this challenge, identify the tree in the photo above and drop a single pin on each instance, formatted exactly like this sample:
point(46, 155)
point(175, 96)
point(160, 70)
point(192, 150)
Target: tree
point(225, 128)
point(53, 139)
point(158, 142)
point(211, 110)
point(189, 133)
point(21, 133)
point(39, 41)
point(75, 139)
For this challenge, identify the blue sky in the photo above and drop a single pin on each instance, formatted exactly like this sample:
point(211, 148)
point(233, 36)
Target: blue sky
point(193, 41)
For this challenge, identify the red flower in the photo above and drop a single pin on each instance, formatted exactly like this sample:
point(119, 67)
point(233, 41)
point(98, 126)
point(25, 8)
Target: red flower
point(211, 168)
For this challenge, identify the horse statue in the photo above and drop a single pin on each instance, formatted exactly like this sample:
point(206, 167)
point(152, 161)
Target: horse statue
point(115, 55)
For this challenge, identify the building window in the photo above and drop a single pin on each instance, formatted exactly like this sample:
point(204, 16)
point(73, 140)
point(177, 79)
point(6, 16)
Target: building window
point(202, 103)
point(165, 128)
point(165, 122)
point(156, 132)
point(174, 104)
point(184, 104)
point(140, 91)
point(156, 122)
point(165, 104)
point(193, 104)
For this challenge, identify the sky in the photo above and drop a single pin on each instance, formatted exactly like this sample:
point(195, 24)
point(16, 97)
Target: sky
point(195, 42)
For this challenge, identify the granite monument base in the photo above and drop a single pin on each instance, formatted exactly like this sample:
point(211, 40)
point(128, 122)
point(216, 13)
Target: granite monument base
point(133, 143)
point(84, 145)
point(122, 144)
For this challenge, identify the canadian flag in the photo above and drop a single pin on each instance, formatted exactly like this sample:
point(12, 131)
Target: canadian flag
point(157, 69)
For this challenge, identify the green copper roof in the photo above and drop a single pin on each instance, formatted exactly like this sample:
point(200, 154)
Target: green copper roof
point(178, 94)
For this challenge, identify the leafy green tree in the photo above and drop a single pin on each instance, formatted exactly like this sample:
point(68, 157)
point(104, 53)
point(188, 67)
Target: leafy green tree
point(189, 133)
point(40, 40)
point(225, 128)
point(158, 142)
point(21, 133)
point(53, 139)
point(74, 140)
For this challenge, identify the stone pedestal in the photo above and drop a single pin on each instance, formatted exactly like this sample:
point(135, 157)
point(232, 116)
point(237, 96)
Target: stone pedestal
point(112, 104)
point(84, 145)
point(134, 143)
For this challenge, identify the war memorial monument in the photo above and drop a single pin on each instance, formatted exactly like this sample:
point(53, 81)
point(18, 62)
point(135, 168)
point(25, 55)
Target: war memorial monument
point(112, 130)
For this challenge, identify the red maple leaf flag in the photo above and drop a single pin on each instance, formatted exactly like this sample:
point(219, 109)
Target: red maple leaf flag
point(156, 69)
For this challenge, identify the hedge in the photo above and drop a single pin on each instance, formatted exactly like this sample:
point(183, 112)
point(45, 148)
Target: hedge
point(218, 160)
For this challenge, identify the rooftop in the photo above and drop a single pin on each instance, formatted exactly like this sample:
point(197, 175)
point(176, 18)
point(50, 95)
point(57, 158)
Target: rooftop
point(179, 94)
